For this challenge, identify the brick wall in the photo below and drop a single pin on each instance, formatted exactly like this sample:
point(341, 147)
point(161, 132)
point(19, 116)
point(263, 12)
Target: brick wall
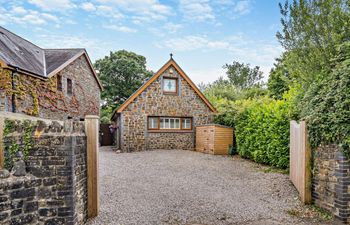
point(331, 181)
point(40, 97)
point(54, 191)
point(152, 102)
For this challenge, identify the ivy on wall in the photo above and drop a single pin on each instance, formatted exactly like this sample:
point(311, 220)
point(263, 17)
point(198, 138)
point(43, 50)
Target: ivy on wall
point(32, 94)
point(18, 148)
point(326, 105)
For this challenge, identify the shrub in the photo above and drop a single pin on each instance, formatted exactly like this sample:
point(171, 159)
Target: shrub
point(327, 105)
point(262, 131)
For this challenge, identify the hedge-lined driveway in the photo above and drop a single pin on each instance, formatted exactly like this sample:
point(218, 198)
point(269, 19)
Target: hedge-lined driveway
point(185, 187)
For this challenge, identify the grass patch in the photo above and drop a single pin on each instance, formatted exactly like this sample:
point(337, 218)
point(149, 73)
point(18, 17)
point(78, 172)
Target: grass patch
point(274, 170)
point(311, 212)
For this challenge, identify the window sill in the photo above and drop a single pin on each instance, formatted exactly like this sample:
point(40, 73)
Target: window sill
point(170, 93)
point(170, 131)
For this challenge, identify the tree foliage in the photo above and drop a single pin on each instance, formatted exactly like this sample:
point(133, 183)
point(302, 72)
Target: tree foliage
point(310, 31)
point(242, 75)
point(279, 79)
point(121, 74)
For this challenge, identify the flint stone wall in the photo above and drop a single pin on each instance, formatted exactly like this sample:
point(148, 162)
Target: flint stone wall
point(331, 181)
point(54, 191)
point(152, 102)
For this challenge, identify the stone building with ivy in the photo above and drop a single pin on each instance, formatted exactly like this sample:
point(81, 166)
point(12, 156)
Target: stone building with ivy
point(48, 83)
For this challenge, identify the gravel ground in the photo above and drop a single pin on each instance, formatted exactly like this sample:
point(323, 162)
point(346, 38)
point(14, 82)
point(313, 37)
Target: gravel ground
point(185, 187)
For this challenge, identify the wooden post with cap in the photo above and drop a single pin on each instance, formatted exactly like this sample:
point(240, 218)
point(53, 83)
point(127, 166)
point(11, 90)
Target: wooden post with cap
point(91, 130)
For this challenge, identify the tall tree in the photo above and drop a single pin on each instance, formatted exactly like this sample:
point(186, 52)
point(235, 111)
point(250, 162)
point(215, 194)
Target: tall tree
point(243, 76)
point(121, 73)
point(279, 78)
point(310, 30)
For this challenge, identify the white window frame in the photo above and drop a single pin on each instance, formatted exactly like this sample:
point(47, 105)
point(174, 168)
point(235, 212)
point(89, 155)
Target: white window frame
point(169, 91)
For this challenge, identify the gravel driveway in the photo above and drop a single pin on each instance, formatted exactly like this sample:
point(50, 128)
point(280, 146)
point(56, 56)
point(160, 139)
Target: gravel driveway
point(185, 187)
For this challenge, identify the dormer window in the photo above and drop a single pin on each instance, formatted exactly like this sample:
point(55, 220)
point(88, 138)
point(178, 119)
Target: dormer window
point(170, 85)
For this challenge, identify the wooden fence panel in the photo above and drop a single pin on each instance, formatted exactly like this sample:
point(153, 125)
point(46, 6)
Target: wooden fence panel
point(91, 129)
point(300, 164)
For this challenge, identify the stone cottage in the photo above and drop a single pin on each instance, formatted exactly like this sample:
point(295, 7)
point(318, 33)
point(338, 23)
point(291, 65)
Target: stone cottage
point(48, 83)
point(162, 113)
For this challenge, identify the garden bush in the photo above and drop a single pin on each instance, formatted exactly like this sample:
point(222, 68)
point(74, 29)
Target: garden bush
point(262, 131)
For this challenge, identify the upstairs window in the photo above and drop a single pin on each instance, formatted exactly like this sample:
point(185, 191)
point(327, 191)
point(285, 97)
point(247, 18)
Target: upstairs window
point(59, 83)
point(170, 85)
point(69, 87)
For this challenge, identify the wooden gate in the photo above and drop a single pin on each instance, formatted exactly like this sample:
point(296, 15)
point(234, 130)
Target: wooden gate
point(105, 135)
point(300, 165)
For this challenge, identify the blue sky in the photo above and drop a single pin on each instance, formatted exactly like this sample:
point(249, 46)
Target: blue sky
point(203, 35)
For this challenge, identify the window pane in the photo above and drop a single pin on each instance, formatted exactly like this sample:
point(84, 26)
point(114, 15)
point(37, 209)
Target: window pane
point(153, 122)
point(162, 124)
point(186, 123)
point(59, 83)
point(69, 87)
point(177, 123)
point(172, 125)
point(166, 125)
point(169, 85)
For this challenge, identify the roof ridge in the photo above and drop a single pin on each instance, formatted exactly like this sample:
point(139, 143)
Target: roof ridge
point(64, 49)
point(21, 37)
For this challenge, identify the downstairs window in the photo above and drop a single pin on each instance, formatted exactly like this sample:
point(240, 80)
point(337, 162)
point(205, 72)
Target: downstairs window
point(169, 123)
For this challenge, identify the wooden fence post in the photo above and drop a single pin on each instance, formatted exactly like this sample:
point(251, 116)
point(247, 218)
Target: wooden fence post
point(91, 130)
point(300, 160)
point(2, 156)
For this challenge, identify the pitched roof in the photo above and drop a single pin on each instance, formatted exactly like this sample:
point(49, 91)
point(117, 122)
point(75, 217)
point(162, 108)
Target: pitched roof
point(56, 57)
point(20, 53)
point(171, 62)
point(25, 56)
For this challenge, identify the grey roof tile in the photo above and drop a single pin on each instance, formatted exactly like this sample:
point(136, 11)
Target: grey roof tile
point(20, 53)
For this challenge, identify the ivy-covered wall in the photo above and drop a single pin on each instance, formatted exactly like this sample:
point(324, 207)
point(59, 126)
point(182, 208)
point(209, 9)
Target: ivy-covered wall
point(53, 187)
point(40, 97)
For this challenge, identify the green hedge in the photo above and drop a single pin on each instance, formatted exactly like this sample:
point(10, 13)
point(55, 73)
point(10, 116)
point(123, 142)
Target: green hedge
point(262, 131)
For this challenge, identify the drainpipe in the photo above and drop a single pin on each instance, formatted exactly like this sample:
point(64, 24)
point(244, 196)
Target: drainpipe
point(13, 83)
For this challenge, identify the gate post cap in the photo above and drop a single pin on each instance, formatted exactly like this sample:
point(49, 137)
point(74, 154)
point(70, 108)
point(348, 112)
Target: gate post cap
point(92, 117)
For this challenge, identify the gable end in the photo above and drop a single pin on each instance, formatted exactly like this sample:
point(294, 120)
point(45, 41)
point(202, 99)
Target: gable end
point(170, 63)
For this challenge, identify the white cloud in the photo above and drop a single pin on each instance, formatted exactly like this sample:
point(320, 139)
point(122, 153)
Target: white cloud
point(207, 75)
point(123, 29)
point(192, 42)
point(19, 10)
point(197, 10)
point(50, 17)
point(172, 27)
point(95, 48)
point(53, 5)
point(242, 7)
point(239, 47)
point(88, 6)
point(19, 15)
point(145, 10)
